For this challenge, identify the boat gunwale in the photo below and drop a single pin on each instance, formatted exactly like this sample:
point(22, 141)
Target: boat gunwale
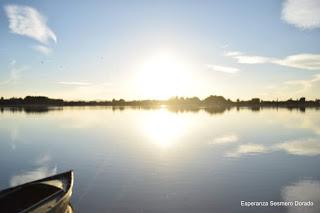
point(67, 191)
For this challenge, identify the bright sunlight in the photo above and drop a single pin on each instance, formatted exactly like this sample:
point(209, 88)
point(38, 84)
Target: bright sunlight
point(163, 128)
point(162, 76)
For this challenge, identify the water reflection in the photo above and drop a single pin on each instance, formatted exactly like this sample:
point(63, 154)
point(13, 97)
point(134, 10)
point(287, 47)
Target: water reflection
point(30, 109)
point(303, 190)
point(195, 109)
point(306, 147)
point(42, 170)
point(163, 128)
point(162, 159)
point(14, 137)
point(69, 209)
point(43, 160)
point(225, 139)
point(171, 108)
point(38, 173)
point(248, 149)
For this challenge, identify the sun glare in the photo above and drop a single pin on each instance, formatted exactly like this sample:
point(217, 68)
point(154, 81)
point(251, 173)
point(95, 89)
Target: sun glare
point(163, 128)
point(162, 76)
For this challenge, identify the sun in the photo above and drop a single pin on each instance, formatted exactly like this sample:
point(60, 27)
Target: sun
point(162, 76)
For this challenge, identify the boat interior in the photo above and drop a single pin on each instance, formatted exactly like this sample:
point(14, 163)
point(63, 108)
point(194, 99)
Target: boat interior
point(24, 197)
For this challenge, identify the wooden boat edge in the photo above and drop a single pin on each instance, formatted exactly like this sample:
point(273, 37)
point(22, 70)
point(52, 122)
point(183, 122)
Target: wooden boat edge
point(53, 177)
point(66, 177)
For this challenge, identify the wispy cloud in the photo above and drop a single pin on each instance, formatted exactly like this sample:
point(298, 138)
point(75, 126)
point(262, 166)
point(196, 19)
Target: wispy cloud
point(300, 61)
point(27, 21)
point(251, 59)
point(232, 53)
point(242, 58)
point(225, 69)
point(74, 83)
point(15, 73)
point(303, 14)
point(42, 49)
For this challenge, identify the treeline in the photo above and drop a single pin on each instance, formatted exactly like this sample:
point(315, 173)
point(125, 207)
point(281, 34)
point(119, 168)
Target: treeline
point(31, 100)
point(211, 101)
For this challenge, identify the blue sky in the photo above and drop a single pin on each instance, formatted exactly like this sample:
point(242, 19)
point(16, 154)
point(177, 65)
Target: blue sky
point(158, 49)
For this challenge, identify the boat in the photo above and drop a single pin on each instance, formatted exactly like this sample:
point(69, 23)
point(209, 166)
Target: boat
point(51, 194)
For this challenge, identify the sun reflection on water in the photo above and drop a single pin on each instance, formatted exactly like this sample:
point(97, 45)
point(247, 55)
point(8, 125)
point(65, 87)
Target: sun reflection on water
point(164, 128)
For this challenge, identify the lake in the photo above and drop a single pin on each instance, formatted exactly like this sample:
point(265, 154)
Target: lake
point(167, 160)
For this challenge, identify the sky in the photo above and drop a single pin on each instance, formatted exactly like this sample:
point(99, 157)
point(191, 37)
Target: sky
point(97, 50)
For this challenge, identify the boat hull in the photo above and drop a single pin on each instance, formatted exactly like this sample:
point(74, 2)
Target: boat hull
point(50, 194)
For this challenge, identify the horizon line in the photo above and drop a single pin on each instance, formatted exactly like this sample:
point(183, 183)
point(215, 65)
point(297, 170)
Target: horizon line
point(168, 99)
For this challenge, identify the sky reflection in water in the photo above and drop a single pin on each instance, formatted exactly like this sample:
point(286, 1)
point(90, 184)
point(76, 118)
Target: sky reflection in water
point(167, 160)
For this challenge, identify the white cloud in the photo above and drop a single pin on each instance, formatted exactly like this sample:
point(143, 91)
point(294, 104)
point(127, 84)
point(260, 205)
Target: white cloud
point(306, 147)
point(251, 59)
point(224, 69)
point(302, 13)
point(242, 58)
point(74, 83)
point(225, 139)
point(27, 21)
point(248, 149)
point(303, 190)
point(300, 61)
point(232, 53)
point(42, 49)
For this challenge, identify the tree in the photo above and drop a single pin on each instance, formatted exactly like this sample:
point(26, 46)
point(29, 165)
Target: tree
point(255, 101)
point(216, 100)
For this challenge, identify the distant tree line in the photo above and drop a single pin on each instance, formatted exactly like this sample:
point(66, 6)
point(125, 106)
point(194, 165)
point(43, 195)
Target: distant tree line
point(211, 101)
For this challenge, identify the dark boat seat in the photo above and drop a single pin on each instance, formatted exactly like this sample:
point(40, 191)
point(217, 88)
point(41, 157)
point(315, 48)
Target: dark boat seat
point(27, 196)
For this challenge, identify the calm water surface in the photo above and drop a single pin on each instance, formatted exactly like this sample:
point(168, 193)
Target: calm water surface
point(160, 160)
